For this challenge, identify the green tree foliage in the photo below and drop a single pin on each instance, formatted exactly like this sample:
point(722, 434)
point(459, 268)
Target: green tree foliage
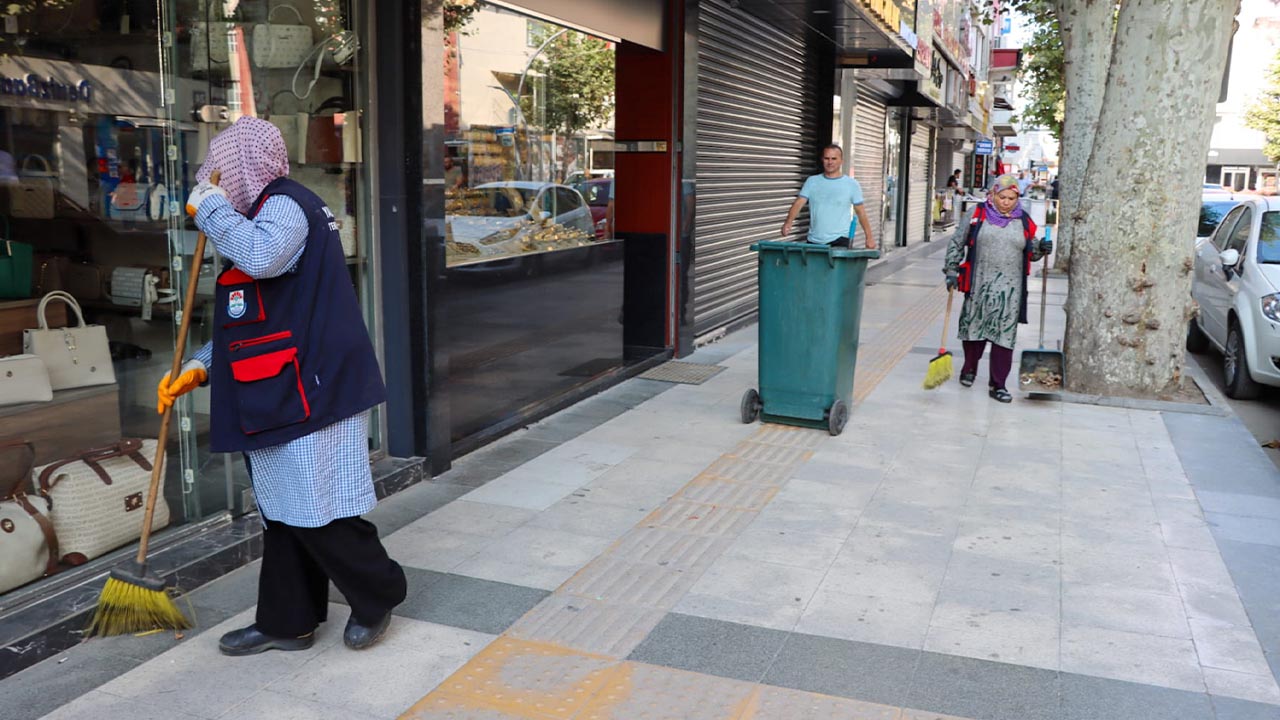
point(579, 83)
point(1042, 72)
point(1263, 113)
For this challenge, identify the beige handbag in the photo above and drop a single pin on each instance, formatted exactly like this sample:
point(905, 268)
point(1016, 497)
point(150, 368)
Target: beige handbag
point(28, 544)
point(75, 356)
point(33, 196)
point(98, 498)
point(24, 379)
point(210, 42)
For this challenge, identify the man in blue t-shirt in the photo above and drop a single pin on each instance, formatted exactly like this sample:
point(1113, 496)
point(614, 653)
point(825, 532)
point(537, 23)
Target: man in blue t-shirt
point(830, 196)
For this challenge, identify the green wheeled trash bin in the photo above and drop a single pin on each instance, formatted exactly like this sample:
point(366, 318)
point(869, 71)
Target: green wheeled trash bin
point(810, 307)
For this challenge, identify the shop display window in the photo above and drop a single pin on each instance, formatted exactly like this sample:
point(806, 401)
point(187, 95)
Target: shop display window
point(105, 112)
point(533, 292)
point(529, 120)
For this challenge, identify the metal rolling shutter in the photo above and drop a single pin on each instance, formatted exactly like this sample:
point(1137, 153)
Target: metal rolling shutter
point(757, 141)
point(919, 186)
point(868, 161)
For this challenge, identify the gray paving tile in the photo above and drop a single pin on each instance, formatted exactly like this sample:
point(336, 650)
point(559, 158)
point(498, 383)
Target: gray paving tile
point(863, 671)
point(1257, 569)
point(1091, 698)
point(1261, 531)
point(412, 503)
point(97, 704)
point(469, 603)
point(1233, 709)
point(979, 689)
point(883, 620)
point(1256, 688)
point(1120, 608)
point(713, 647)
point(48, 685)
point(1150, 659)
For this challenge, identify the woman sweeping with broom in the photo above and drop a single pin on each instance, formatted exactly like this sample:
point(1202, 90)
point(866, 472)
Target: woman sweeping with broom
point(293, 376)
point(989, 260)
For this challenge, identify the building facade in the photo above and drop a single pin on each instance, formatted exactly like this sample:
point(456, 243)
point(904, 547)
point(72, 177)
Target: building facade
point(1235, 158)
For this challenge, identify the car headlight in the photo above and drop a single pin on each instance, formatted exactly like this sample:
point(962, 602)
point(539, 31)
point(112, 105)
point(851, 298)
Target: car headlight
point(1271, 306)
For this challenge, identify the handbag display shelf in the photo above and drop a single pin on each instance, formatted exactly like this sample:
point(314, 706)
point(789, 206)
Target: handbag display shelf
point(277, 45)
point(18, 315)
point(72, 421)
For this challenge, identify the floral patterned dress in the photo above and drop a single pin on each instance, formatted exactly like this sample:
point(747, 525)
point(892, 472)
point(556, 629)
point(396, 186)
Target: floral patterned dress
point(992, 306)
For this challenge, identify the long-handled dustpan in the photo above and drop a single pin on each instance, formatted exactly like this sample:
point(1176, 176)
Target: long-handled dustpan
point(1041, 370)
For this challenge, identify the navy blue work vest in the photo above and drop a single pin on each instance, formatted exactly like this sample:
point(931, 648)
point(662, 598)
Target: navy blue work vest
point(291, 354)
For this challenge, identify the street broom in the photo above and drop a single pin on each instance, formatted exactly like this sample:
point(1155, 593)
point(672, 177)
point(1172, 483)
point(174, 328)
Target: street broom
point(134, 600)
point(940, 366)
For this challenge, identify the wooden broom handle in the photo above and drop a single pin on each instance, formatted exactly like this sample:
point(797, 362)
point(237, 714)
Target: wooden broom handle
point(179, 350)
point(946, 320)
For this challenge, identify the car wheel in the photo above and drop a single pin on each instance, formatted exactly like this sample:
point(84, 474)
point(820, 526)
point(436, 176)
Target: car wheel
point(1235, 369)
point(1197, 341)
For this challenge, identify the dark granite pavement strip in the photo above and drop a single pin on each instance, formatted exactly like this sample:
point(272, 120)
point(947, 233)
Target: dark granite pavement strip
point(714, 647)
point(48, 685)
point(469, 603)
point(1233, 709)
point(986, 690)
point(1090, 698)
point(862, 671)
point(1221, 456)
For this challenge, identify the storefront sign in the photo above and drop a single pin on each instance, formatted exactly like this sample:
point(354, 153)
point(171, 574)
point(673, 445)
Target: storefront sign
point(46, 88)
point(898, 17)
point(984, 147)
point(950, 25)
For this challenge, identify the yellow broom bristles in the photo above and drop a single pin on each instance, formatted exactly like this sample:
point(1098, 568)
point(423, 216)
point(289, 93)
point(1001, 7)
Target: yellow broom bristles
point(126, 608)
point(939, 371)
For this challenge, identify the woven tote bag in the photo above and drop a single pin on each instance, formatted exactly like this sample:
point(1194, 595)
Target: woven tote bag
point(98, 498)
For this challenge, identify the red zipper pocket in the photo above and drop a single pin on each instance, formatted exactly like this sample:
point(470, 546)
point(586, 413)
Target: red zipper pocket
point(242, 344)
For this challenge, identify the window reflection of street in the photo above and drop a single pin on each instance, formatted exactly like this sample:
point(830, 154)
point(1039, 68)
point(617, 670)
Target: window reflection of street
point(539, 326)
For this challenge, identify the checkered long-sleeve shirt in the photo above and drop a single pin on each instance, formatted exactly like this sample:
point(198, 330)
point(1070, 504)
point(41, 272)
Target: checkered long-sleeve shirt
point(324, 476)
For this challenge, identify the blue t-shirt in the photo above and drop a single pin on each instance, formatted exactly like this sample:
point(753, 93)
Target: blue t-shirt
point(830, 206)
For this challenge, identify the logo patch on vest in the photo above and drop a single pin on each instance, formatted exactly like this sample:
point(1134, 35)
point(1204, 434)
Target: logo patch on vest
point(235, 304)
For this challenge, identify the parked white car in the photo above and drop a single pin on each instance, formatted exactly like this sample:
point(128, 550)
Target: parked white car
point(1214, 206)
point(1237, 285)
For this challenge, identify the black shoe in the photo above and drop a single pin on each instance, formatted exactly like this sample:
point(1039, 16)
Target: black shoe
point(966, 379)
point(250, 641)
point(359, 637)
point(1000, 394)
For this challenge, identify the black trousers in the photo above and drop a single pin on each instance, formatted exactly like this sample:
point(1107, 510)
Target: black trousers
point(298, 563)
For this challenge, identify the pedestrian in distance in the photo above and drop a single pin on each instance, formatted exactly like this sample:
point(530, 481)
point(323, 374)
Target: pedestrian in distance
point(989, 260)
point(830, 196)
point(292, 377)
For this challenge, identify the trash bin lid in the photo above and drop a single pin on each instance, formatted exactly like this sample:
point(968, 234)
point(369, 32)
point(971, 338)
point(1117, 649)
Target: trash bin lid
point(812, 249)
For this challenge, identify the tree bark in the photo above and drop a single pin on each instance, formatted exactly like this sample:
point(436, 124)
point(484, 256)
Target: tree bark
point(1087, 34)
point(1135, 221)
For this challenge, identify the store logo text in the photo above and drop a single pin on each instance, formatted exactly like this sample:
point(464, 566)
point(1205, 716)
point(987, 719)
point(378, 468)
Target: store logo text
point(37, 88)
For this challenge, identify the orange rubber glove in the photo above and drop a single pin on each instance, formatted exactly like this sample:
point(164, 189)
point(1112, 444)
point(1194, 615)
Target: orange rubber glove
point(190, 376)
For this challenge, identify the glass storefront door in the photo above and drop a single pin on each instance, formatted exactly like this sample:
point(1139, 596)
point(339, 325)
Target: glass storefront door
point(105, 113)
point(533, 289)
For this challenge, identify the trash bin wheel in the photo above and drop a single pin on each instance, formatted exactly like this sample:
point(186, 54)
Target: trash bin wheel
point(750, 407)
point(837, 416)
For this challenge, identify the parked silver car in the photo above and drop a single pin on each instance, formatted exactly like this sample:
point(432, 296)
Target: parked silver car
point(1237, 285)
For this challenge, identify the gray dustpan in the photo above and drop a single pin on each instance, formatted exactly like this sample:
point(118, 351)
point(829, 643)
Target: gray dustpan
point(1041, 370)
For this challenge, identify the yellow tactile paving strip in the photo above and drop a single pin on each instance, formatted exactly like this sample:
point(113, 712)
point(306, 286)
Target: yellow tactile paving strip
point(564, 659)
point(539, 681)
point(876, 360)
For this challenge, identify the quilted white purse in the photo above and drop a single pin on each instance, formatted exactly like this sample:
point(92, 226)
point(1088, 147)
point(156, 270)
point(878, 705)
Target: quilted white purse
point(75, 356)
point(98, 498)
point(28, 545)
point(281, 46)
point(24, 379)
point(210, 42)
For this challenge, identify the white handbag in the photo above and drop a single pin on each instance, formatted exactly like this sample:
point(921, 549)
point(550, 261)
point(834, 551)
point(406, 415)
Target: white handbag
point(74, 356)
point(33, 196)
point(281, 46)
point(24, 379)
point(28, 543)
point(98, 498)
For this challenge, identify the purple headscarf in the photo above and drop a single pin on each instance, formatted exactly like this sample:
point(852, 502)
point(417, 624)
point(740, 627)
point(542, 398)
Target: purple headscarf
point(994, 216)
point(250, 154)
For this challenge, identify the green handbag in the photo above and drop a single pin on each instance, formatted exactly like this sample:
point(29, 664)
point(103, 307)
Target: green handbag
point(16, 262)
